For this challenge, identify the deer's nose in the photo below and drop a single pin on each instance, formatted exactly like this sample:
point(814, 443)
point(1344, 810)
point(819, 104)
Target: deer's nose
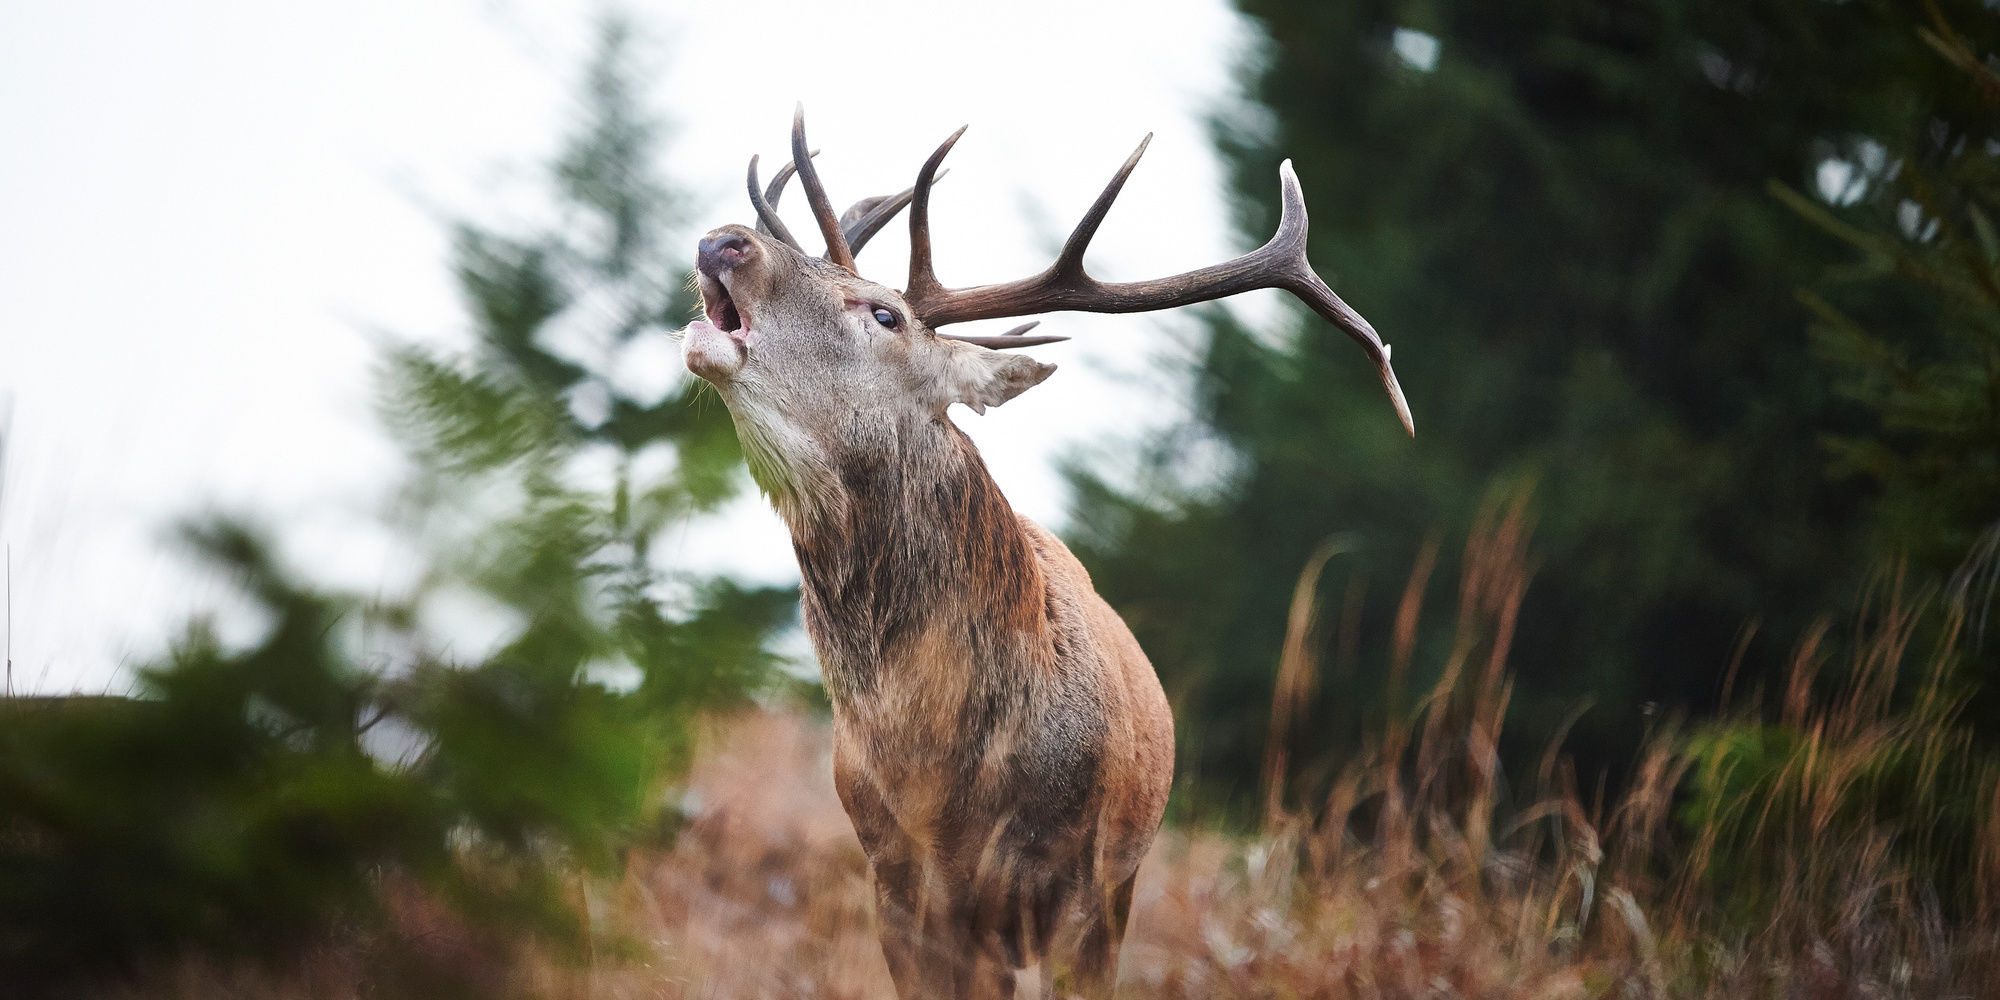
point(719, 252)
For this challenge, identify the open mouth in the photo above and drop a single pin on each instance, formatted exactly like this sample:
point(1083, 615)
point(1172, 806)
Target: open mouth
point(721, 309)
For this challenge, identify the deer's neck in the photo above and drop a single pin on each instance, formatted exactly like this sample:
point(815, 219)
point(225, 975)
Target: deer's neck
point(909, 543)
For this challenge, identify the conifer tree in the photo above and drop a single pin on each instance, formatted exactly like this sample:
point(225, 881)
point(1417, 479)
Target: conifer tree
point(1560, 214)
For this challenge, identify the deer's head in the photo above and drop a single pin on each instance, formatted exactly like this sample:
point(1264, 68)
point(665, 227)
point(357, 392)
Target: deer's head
point(812, 358)
point(823, 343)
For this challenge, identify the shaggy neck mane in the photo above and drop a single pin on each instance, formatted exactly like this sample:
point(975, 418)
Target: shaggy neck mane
point(911, 535)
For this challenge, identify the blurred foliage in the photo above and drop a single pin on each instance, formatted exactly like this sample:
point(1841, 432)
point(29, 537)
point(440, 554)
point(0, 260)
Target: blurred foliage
point(1561, 216)
point(350, 776)
point(1869, 761)
point(1871, 766)
point(1931, 386)
point(545, 478)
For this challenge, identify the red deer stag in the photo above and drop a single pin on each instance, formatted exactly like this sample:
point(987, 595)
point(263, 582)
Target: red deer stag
point(1000, 741)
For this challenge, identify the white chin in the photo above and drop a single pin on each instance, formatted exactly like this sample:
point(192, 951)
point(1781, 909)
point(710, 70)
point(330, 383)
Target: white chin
point(711, 353)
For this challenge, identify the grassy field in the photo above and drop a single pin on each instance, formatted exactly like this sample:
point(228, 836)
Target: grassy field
point(765, 894)
point(1792, 852)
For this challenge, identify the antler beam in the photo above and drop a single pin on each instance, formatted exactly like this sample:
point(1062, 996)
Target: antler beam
point(1065, 286)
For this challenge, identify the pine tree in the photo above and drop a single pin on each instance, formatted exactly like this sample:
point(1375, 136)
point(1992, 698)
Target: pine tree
point(257, 800)
point(1560, 215)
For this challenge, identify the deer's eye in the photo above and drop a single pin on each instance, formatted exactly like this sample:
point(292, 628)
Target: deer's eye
point(887, 317)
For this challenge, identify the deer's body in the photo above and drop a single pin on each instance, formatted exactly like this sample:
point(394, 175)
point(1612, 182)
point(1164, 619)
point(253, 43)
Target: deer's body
point(1000, 741)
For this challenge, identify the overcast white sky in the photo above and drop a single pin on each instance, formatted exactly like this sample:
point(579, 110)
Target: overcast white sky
point(211, 213)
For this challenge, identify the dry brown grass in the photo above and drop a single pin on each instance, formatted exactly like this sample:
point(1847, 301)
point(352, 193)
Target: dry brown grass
point(765, 895)
point(1415, 877)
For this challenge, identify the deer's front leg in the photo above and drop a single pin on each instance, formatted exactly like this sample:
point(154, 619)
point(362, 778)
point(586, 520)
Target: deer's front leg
point(929, 942)
point(900, 912)
point(915, 926)
point(1096, 968)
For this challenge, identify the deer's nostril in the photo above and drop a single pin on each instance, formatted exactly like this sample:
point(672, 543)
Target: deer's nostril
point(716, 254)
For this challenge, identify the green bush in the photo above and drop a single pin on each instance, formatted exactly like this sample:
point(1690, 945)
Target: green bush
point(350, 782)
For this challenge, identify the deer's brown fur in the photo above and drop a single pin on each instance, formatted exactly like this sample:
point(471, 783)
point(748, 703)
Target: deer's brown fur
point(1000, 741)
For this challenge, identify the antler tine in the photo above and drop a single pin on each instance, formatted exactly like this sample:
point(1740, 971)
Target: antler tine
point(1288, 245)
point(858, 224)
point(866, 217)
point(767, 215)
point(1068, 267)
point(1070, 261)
point(861, 221)
point(923, 280)
point(1011, 338)
point(822, 207)
point(777, 188)
point(1279, 263)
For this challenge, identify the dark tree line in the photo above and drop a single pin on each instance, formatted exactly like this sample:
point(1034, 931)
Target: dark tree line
point(1587, 229)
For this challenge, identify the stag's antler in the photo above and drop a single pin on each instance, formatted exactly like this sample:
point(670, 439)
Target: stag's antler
point(862, 220)
point(1279, 263)
point(866, 217)
point(837, 249)
point(766, 204)
point(858, 224)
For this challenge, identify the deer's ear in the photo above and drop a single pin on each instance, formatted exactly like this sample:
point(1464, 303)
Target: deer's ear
point(981, 377)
